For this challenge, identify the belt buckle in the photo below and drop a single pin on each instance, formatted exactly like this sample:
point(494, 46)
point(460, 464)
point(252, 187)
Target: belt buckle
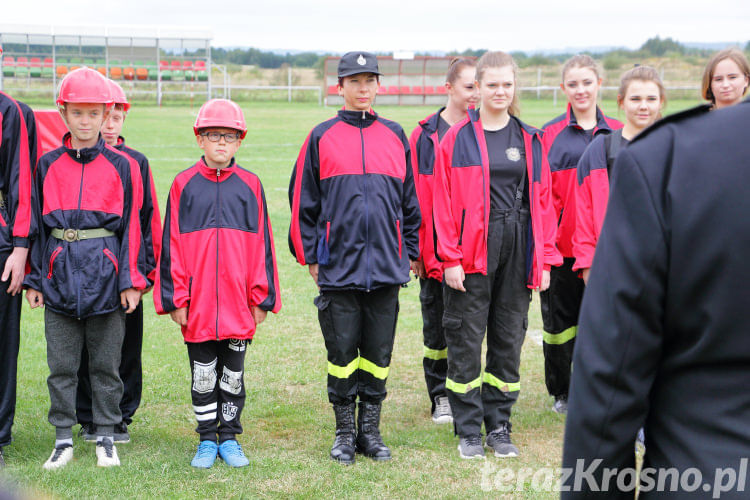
point(70, 235)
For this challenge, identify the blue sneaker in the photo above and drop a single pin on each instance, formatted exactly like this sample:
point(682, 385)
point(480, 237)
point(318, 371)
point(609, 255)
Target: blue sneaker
point(231, 452)
point(205, 456)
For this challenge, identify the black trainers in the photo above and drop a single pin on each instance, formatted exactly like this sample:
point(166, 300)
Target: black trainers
point(499, 441)
point(471, 447)
point(87, 432)
point(2, 459)
point(561, 404)
point(120, 434)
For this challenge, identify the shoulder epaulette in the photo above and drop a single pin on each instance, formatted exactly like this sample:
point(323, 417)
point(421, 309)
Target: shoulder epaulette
point(674, 118)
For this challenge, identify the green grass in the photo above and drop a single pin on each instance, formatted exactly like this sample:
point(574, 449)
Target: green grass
point(287, 420)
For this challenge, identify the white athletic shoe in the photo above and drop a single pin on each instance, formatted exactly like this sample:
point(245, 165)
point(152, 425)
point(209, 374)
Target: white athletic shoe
point(106, 453)
point(442, 413)
point(60, 456)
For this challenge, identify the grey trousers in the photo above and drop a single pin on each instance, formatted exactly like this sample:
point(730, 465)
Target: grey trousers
point(102, 335)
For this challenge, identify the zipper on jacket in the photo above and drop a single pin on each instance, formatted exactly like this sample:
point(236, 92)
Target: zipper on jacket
point(367, 214)
point(218, 215)
point(73, 245)
point(52, 261)
point(398, 233)
point(461, 234)
point(111, 257)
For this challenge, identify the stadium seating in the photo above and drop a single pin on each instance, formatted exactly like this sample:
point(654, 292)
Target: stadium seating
point(393, 90)
point(417, 90)
point(200, 71)
point(429, 90)
point(404, 89)
point(382, 90)
point(9, 66)
point(61, 70)
point(128, 73)
point(115, 72)
point(141, 73)
point(22, 67)
point(442, 90)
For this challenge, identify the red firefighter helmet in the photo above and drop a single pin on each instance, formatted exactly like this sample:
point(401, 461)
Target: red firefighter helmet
point(118, 95)
point(84, 85)
point(221, 113)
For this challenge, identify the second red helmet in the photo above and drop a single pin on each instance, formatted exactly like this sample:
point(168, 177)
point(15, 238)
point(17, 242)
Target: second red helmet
point(221, 113)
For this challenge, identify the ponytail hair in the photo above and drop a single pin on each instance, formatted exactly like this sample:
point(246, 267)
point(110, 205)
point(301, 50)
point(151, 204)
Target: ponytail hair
point(455, 67)
point(500, 59)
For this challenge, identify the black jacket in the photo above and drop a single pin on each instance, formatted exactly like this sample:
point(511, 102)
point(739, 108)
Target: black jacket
point(664, 332)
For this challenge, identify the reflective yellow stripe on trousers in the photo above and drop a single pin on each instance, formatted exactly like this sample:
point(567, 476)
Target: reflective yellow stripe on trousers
point(462, 388)
point(436, 354)
point(343, 371)
point(503, 386)
point(370, 367)
point(560, 338)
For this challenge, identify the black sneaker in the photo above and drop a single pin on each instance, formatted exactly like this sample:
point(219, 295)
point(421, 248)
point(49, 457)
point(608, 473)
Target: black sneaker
point(499, 441)
point(120, 434)
point(470, 447)
point(88, 432)
point(2, 459)
point(561, 404)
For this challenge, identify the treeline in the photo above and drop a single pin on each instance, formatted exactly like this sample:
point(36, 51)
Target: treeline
point(264, 59)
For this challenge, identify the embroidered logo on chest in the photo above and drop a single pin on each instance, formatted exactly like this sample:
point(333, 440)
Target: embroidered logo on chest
point(513, 154)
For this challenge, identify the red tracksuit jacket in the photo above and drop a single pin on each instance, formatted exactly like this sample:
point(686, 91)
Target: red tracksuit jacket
point(150, 218)
point(462, 200)
point(591, 193)
point(424, 145)
point(85, 189)
point(217, 255)
point(17, 219)
point(565, 141)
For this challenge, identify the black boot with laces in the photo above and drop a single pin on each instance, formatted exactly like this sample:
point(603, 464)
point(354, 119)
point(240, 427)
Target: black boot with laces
point(369, 441)
point(343, 445)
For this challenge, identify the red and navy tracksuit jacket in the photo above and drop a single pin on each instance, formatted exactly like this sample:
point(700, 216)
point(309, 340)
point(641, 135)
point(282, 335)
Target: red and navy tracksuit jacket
point(424, 144)
point(462, 200)
point(591, 193)
point(565, 141)
point(217, 255)
point(354, 208)
point(150, 218)
point(87, 188)
point(17, 219)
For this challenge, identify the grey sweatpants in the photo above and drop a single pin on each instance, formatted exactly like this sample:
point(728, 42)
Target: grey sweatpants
point(103, 335)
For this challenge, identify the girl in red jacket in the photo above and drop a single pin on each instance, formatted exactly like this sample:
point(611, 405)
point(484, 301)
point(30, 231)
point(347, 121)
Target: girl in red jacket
point(565, 139)
point(424, 143)
point(495, 235)
point(641, 97)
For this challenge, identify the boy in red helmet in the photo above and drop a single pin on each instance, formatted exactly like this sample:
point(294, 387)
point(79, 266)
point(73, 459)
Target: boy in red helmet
point(150, 220)
point(87, 263)
point(217, 276)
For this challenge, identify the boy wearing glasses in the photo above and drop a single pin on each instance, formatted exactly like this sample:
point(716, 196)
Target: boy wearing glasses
point(217, 276)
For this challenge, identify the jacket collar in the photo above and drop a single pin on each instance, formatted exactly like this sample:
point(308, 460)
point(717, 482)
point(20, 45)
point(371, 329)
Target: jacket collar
point(358, 118)
point(85, 155)
point(120, 143)
point(601, 122)
point(210, 173)
point(430, 124)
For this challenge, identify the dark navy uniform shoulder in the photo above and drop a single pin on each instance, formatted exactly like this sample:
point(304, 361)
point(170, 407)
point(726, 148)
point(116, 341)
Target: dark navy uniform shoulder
point(673, 118)
point(557, 119)
point(322, 128)
point(395, 127)
point(135, 154)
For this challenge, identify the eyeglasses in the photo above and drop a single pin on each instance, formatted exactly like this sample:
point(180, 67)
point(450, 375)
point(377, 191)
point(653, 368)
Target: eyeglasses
point(216, 136)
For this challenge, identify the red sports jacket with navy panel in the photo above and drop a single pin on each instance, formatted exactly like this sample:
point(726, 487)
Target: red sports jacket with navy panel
point(424, 143)
point(17, 219)
point(462, 200)
point(565, 141)
point(150, 218)
point(86, 189)
point(354, 208)
point(217, 255)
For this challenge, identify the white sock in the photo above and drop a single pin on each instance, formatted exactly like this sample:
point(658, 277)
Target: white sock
point(59, 443)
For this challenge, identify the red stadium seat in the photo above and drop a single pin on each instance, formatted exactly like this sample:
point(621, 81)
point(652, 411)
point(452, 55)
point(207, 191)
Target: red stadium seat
point(429, 90)
point(382, 90)
point(163, 65)
point(9, 61)
point(417, 90)
point(176, 65)
point(200, 65)
point(187, 65)
point(22, 62)
point(128, 73)
point(442, 90)
point(404, 89)
point(47, 62)
point(35, 62)
point(332, 90)
point(393, 90)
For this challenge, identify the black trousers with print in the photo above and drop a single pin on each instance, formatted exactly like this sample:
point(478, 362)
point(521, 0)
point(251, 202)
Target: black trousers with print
point(218, 388)
point(358, 328)
point(10, 335)
point(498, 303)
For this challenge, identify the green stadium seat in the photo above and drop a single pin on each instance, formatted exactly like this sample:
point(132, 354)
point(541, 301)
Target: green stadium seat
point(201, 75)
point(48, 72)
point(189, 75)
point(35, 67)
point(166, 75)
point(178, 75)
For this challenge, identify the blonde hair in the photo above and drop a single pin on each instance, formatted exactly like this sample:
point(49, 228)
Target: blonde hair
point(708, 74)
point(500, 59)
point(581, 61)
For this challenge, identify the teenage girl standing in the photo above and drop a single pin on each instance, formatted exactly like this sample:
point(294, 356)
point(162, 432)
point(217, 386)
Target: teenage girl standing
point(726, 78)
point(424, 142)
point(641, 97)
point(495, 236)
point(565, 138)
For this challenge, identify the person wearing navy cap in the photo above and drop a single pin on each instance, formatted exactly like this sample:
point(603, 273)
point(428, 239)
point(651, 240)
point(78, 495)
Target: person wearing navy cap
point(355, 224)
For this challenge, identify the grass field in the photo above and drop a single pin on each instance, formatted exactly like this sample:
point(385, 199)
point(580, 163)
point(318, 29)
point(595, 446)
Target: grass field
point(287, 420)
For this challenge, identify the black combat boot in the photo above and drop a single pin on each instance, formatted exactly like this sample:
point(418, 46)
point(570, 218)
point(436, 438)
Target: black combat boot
point(369, 442)
point(343, 445)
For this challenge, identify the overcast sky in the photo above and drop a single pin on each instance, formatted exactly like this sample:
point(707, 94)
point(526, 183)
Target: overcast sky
point(387, 25)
